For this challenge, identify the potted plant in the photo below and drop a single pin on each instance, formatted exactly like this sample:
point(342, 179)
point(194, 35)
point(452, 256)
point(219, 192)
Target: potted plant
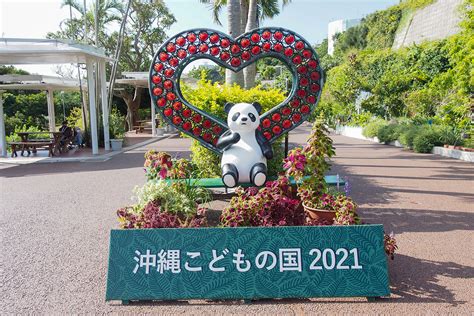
point(116, 129)
point(159, 126)
point(307, 166)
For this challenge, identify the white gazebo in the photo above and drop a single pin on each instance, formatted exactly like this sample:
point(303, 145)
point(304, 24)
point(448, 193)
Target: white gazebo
point(43, 51)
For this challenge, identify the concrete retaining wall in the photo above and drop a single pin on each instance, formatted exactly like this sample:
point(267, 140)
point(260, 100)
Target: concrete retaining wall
point(454, 153)
point(356, 132)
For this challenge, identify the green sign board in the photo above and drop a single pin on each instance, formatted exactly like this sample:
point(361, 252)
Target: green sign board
point(247, 263)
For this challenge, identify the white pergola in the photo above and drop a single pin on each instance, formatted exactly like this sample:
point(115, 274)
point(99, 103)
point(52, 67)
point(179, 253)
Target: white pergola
point(15, 51)
point(139, 79)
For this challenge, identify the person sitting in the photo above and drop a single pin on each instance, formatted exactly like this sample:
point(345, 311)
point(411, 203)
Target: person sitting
point(78, 137)
point(67, 134)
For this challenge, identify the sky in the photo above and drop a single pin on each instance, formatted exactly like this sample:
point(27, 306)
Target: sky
point(309, 18)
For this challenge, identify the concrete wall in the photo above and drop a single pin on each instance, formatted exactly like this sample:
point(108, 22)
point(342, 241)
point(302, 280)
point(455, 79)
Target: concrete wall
point(436, 21)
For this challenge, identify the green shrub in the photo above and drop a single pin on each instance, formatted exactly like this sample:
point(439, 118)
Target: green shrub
point(116, 124)
point(372, 128)
point(208, 164)
point(450, 135)
point(211, 97)
point(389, 133)
point(360, 119)
point(408, 134)
point(426, 140)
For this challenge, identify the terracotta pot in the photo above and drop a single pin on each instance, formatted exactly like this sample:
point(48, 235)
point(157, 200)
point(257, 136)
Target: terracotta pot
point(319, 215)
point(467, 149)
point(446, 146)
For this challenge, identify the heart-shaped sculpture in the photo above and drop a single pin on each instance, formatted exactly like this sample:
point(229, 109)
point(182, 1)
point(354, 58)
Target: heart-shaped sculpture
point(234, 54)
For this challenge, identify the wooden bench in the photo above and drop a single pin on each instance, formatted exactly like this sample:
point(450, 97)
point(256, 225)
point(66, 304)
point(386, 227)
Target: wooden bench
point(34, 145)
point(138, 129)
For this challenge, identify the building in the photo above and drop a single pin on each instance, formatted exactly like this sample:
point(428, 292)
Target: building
point(336, 27)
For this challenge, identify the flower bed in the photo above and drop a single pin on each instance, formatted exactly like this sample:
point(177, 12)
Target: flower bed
point(183, 205)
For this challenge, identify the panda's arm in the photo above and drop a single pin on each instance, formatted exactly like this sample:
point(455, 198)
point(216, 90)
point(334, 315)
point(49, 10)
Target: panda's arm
point(227, 139)
point(265, 145)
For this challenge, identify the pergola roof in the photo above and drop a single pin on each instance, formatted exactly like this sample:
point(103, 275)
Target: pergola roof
point(136, 79)
point(14, 51)
point(38, 82)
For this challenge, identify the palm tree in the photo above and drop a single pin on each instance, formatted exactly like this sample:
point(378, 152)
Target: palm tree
point(249, 15)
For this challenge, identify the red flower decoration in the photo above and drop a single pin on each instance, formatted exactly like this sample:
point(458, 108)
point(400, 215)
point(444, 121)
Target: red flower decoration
point(168, 111)
point(191, 37)
point(197, 118)
point(157, 91)
point(256, 50)
point(163, 56)
point(177, 106)
point(255, 37)
point(203, 36)
point(168, 84)
point(214, 38)
point(266, 123)
point(181, 41)
point(187, 112)
point(177, 120)
point(171, 47)
point(161, 102)
point(187, 126)
point(156, 79)
point(278, 35)
point(245, 42)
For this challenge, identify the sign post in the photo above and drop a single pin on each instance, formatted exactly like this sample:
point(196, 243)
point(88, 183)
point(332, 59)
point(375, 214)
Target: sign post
point(247, 263)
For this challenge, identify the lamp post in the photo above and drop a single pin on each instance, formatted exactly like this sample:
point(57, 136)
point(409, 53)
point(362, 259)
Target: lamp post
point(64, 109)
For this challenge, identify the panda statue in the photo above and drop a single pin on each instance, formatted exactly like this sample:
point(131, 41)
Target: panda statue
point(245, 149)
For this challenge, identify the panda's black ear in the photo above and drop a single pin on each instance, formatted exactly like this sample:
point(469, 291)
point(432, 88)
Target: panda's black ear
point(258, 107)
point(228, 106)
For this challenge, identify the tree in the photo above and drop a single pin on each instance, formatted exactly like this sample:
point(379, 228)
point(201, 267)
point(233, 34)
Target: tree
point(144, 32)
point(249, 13)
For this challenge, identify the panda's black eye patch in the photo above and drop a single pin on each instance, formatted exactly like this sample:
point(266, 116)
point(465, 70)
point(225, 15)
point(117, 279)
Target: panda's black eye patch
point(252, 117)
point(235, 116)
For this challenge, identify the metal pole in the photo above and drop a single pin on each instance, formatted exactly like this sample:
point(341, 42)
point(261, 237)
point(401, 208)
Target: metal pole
point(51, 116)
point(3, 136)
point(105, 105)
point(92, 106)
point(286, 144)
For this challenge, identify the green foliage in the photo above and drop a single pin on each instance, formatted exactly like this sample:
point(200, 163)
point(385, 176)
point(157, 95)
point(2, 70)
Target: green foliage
point(211, 97)
point(426, 140)
point(408, 134)
point(206, 161)
point(360, 119)
point(207, 73)
point(389, 133)
point(372, 129)
point(10, 70)
point(116, 124)
point(13, 137)
point(381, 27)
point(75, 118)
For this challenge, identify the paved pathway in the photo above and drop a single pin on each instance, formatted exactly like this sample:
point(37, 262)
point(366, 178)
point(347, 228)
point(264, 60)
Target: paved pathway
point(56, 218)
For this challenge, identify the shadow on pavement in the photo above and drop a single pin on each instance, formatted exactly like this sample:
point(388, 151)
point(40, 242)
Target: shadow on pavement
point(417, 280)
point(131, 159)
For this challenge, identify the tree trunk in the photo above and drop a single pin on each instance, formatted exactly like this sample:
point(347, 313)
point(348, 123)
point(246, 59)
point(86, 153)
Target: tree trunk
point(244, 12)
point(234, 30)
point(251, 71)
point(133, 103)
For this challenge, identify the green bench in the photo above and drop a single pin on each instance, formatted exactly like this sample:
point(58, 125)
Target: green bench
point(332, 180)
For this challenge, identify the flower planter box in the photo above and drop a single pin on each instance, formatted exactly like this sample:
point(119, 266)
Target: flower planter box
point(247, 263)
